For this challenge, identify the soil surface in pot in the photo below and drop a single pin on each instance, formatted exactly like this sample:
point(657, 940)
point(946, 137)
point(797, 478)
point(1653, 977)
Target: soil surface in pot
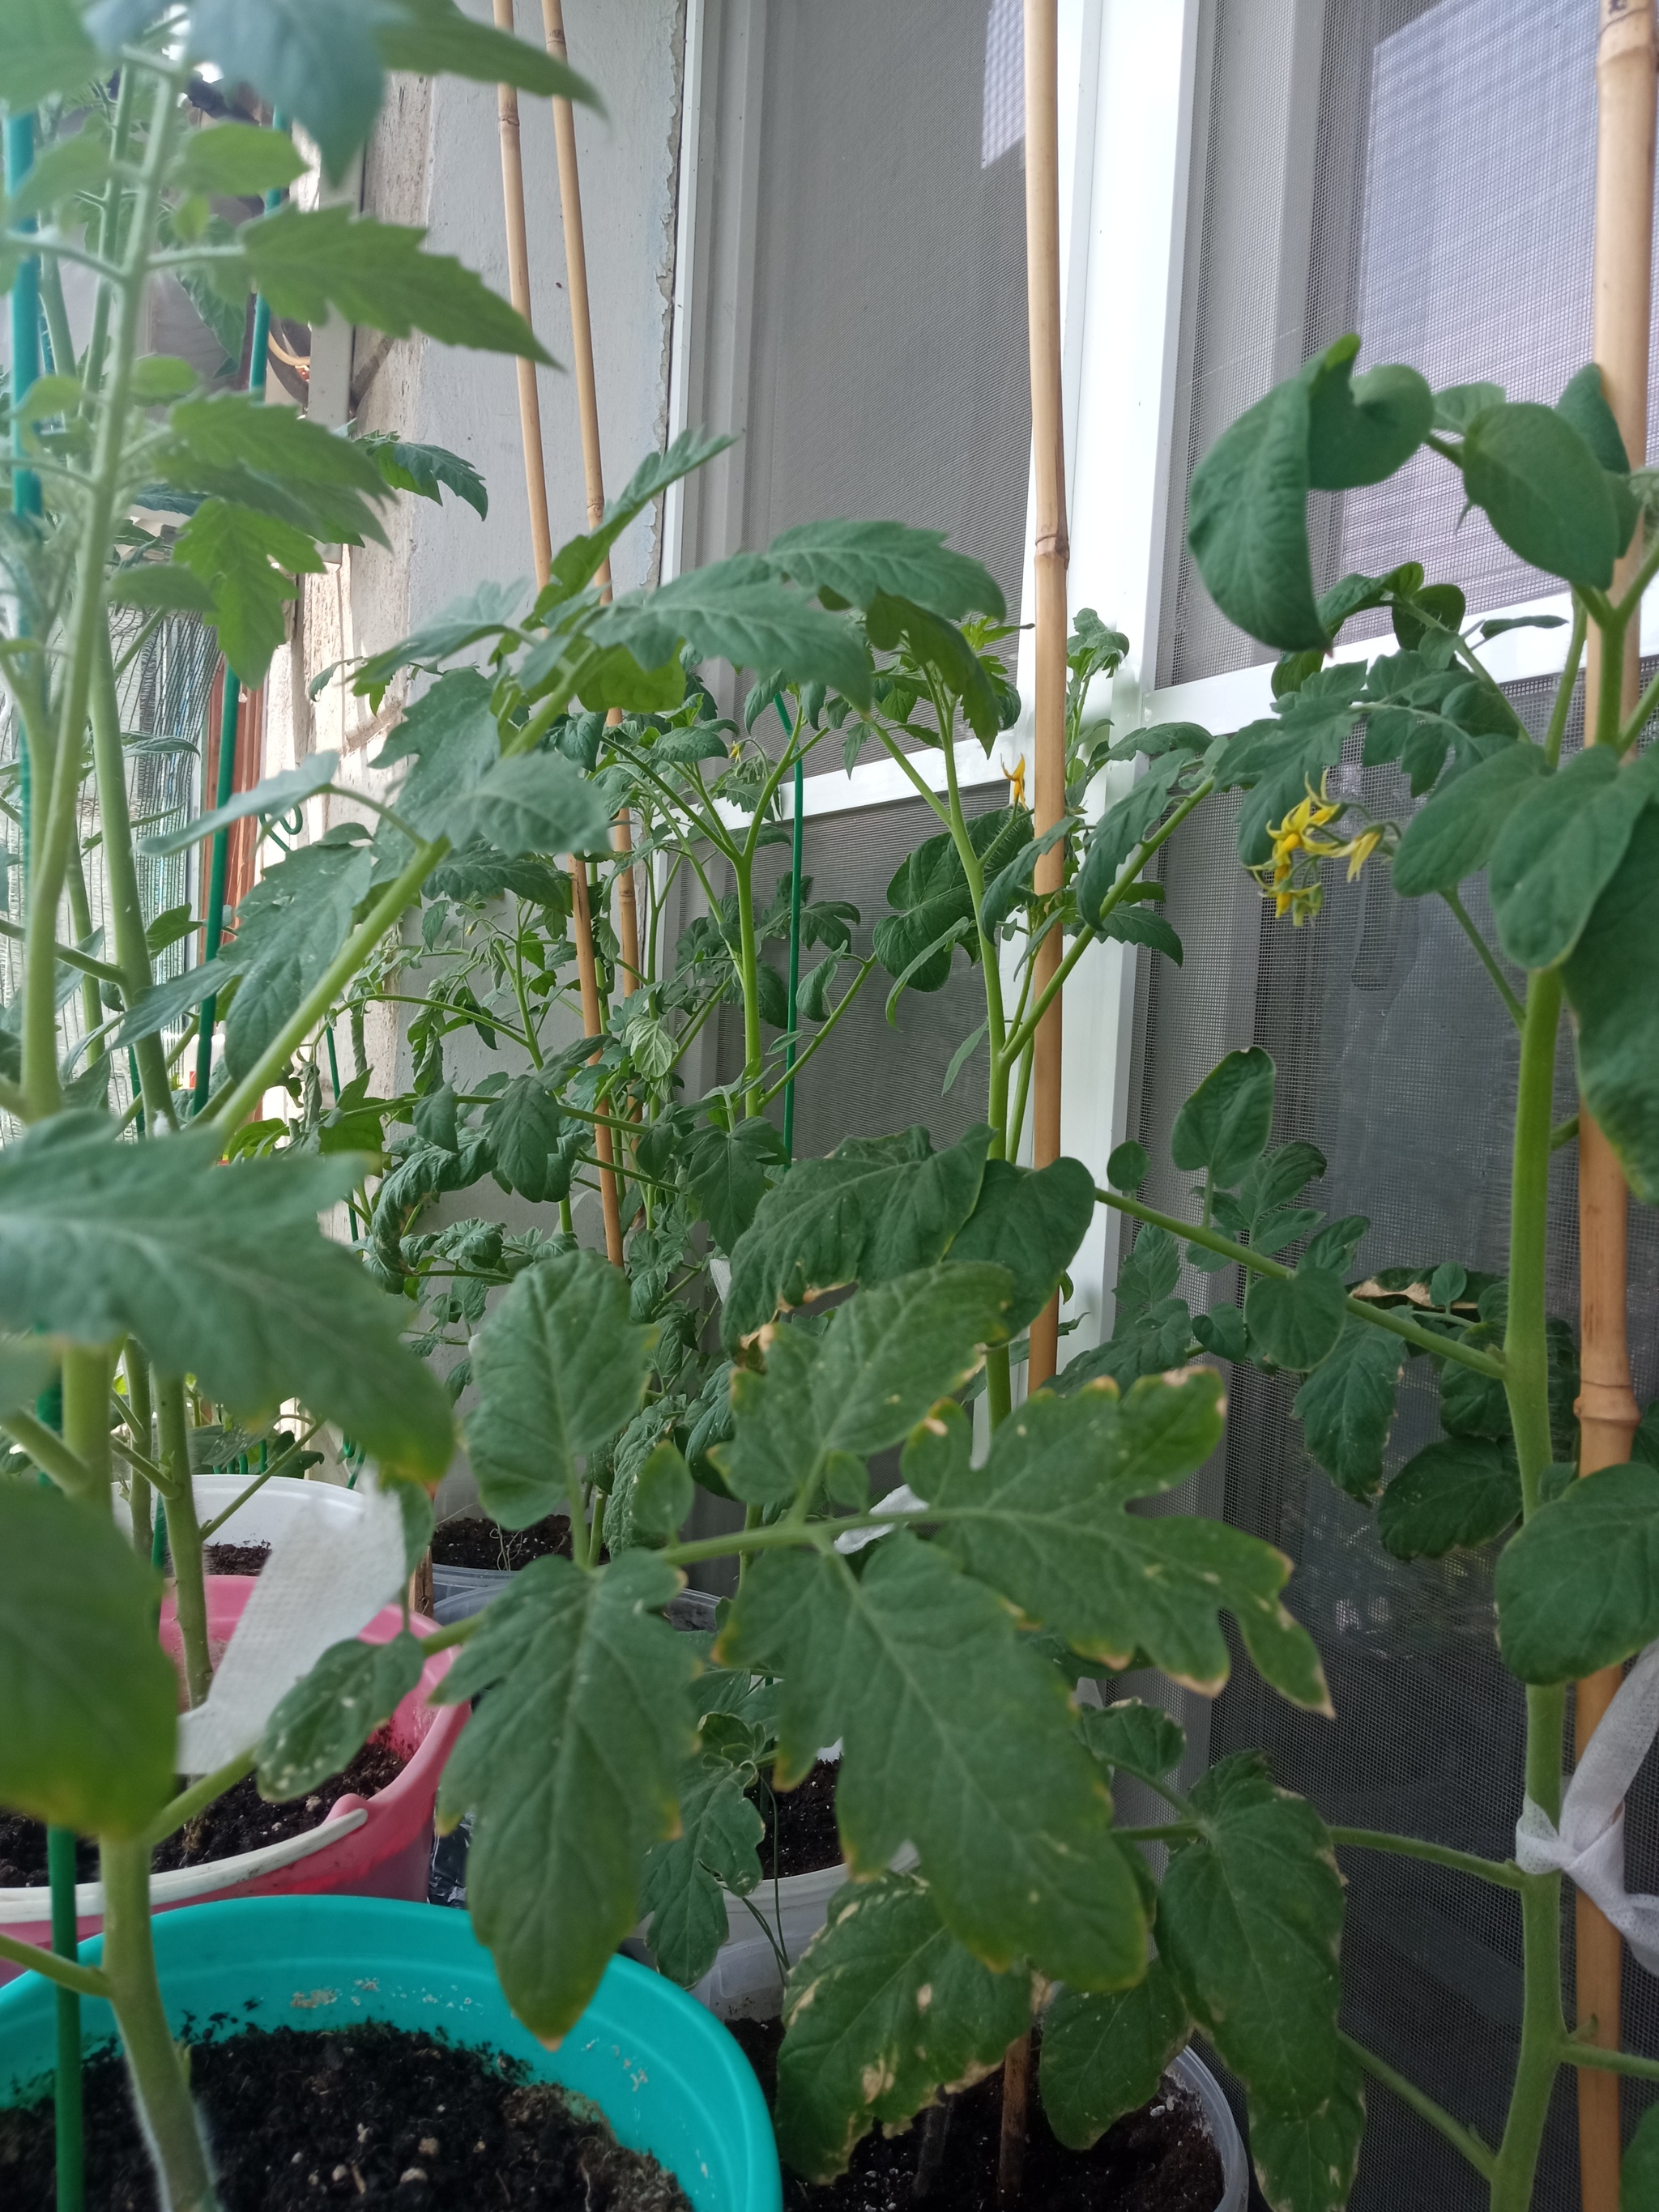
point(366, 2116)
point(467, 1539)
point(800, 1823)
point(1161, 2159)
point(240, 1820)
point(235, 1558)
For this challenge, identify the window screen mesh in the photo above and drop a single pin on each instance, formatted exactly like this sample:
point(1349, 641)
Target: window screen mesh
point(1434, 192)
point(1356, 1009)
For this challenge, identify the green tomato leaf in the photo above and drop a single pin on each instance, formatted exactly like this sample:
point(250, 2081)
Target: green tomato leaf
point(228, 160)
point(428, 471)
point(884, 2007)
point(1128, 1166)
point(46, 50)
point(729, 1172)
point(1247, 522)
point(1543, 490)
point(1584, 404)
point(247, 561)
point(221, 1273)
point(1030, 1221)
point(1119, 829)
point(375, 273)
point(1459, 1493)
point(1306, 2160)
point(1452, 834)
point(1612, 980)
point(1347, 1406)
point(1639, 2176)
point(1047, 1521)
point(687, 1879)
point(1457, 407)
point(1141, 1739)
point(878, 1207)
point(312, 59)
point(1296, 1320)
point(664, 1493)
point(90, 1697)
point(738, 610)
point(858, 561)
point(956, 1738)
point(1225, 1125)
point(433, 38)
point(275, 795)
point(886, 1356)
point(1360, 432)
point(525, 1125)
point(1560, 849)
point(1578, 1586)
point(559, 1368)
point(161, 586)
point(1104, 2054)
point(288, 928)
point(570, 1767)
point(325, 1720)
point(534, 803)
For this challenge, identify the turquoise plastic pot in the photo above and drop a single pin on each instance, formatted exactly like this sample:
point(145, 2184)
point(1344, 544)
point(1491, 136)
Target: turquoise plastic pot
point(665, 2073)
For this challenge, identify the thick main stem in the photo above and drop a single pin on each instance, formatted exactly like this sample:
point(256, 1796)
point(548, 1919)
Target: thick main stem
point(158, 2079)
point(184, 1536)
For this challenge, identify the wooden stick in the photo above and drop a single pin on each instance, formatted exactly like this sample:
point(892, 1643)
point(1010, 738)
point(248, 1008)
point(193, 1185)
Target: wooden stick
point(541, 538)
point(587, 407)
point(1052, 555)
point(1049, 790)
point(1607, 1408)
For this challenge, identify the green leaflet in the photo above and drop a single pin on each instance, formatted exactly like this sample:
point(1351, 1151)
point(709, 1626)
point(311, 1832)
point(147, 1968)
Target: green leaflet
point(1046, 1521)
point(523, 1126)
point(738, 610)
point(1543, 490)
point(450, 735)
point(219, 1272)
point(886, 1358)
point(1459, 1493)
point(663, 1494)
point(490, 611)
point(1030, 1223)
point(884, 2007)
point(1296, 1319)
point(1612, 983)
point(935, 908)
point(859, 561)
point(1104, 2054)
point(90, 1698)
point(1639, 2176)
point(1560, 849)
point(288, 928)
point(956, 1738)
point(1121, 828)
point(687, 1879)
point(1247, 523)
point(577, 561)
point(727, 1169)
point(428, 471)
point(275, 795)
point(1360, 432)
point(559, 1368)
point(230, 159)
point(326, 1719)
point(539, 803)
point(1347, 1406)
point(247, 561)
point(570, 1767)
point(375, 273)
point(1578, 1587)
point(1141, 1739)
point(1250, 1922)
point(876, 1208)
point(1225, 1124)
point(1452, 834)
point(46, 50)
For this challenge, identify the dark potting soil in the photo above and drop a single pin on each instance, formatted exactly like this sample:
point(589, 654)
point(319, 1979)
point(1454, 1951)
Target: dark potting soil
point(800, 1823)
point(1161, 2159)
point(364, 2115)
point(467, 1539)
point(235, 1558)
point(240, 1820)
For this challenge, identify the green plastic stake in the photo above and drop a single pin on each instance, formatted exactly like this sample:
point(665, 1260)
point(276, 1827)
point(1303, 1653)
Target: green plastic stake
point(26, 367)
point(67, 2098)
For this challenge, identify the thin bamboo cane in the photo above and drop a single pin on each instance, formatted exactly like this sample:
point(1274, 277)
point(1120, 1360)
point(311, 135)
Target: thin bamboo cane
point(529, 425)
point(1048, 793)
point(588, 404)
point(1607, 1411)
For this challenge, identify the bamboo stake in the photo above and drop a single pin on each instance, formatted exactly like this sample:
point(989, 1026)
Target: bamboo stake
point(1608, 1411)
point(1049, 793)
point(587, 405)
point(541, 535)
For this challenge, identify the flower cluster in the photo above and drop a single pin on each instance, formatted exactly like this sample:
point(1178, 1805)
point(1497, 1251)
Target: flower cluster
point(1290, 877)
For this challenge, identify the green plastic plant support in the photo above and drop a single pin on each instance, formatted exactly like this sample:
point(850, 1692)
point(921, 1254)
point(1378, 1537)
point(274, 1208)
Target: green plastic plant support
point(26, 367)
point(212, 928)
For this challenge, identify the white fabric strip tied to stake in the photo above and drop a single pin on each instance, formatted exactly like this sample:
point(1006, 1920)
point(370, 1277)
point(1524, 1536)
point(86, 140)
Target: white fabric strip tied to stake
point(1588, 1846)
point(321, 1584)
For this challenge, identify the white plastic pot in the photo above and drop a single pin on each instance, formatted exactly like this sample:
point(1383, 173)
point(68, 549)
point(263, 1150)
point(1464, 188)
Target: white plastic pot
point(1190, 2071)
point(268, 1511)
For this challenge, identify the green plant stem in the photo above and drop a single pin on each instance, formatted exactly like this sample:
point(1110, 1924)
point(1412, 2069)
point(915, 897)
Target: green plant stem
point(231, 1106)
point(197, 1799)
point(72, 956)
point(85, 1420)
point(135, 973)
point(211, 1528)
point(85, 1981)
point(1487, 957)
point(1575, 2053)
point(1563, 706)
point(1564, 1132)
point(1438, 1347)
point(1543, 2030)
point(140, 1414)
point(854, 988)
point(1504, 1872)
point(87, 617)
point(184, 1536)
point(49, 1452)
point(1460, 2137)
point(158, 2078)
point(749, 978)
point(80, 907)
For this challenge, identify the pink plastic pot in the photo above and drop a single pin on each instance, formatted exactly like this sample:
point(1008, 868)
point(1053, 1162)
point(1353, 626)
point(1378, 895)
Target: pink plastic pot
point(365, 1847)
